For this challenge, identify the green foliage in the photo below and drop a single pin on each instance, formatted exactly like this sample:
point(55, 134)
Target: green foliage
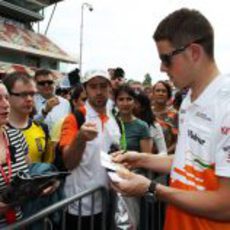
point(147, 80)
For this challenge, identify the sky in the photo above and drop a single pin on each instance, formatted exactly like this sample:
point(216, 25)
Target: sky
point(119, 33)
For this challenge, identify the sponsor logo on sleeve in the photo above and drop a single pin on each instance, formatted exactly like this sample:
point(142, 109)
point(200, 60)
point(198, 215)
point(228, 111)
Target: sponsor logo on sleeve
point(226, 149)
point(225, 130)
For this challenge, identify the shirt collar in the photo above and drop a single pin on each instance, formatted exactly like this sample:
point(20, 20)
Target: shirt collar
point(208, 93)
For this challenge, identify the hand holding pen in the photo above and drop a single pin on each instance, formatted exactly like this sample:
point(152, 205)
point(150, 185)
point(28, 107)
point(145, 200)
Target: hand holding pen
point(129, 159)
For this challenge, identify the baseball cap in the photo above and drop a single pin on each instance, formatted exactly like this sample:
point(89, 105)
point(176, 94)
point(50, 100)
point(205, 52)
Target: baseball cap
point(95, 73)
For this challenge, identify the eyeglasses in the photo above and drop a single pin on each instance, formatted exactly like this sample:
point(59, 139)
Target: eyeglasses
point(23, 94)
point(166, 59)
point(43, 83)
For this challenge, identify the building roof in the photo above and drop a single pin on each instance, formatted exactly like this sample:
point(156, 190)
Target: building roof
point(7, 68)
point(20, 39)
point(25, 10)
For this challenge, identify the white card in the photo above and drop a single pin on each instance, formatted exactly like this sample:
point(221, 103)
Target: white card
point(115, 177)
point(106, 161)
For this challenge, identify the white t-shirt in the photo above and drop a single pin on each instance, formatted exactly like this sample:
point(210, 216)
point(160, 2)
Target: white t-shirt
point(55, 117)
point(90, 172)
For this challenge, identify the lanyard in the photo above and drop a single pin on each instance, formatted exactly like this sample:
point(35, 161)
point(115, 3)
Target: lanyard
point(123, 142)
point(10, 214)
point(8, 161)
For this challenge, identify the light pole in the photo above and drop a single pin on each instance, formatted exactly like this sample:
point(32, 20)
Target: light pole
point(90, 8)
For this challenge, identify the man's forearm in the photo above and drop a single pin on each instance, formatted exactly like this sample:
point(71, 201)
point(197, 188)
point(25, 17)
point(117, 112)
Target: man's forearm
point(72, 154)
point(209, 204)
point(156, 163)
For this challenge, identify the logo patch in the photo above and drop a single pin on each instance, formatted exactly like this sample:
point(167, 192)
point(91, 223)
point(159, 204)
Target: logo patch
point(195, 137)
point(225, 130)
point(203, 116)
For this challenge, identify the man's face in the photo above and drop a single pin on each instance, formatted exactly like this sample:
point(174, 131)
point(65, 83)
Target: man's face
point(178, 67)
point(45, 85)
point(97, 91)
point(117, 81)
point(22, 97)
point(137, 87)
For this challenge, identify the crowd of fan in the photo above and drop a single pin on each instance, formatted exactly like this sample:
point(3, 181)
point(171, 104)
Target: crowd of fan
point(116, 115)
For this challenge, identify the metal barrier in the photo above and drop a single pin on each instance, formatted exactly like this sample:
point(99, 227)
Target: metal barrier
point(62, 205)
point(152, 211)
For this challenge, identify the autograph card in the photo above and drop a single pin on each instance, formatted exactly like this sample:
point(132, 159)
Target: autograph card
point(106, 161)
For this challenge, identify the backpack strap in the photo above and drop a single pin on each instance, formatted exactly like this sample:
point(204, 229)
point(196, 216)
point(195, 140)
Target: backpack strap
point(80, 118)
point(47, 135)
point(58, 161)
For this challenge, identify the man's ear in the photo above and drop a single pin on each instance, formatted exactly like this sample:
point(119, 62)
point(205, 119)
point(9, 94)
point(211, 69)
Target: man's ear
point(197, 51)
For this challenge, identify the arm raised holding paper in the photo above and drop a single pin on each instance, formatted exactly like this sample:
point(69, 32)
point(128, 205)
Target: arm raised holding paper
point(72, 153)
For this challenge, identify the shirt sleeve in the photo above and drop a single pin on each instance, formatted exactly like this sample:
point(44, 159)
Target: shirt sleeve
point(68, 131)
point(222, 153)
point(158, 138)
point(145, 132)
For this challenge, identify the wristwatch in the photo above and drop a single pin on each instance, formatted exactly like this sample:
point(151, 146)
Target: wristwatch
point(152, 187)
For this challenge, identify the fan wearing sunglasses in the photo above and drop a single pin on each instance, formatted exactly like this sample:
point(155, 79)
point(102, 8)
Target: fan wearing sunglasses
point(51, 108)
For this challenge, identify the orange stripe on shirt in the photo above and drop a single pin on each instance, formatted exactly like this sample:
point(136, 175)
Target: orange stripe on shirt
point(206, 179)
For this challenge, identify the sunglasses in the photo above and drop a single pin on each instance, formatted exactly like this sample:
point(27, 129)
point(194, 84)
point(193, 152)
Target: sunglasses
point(23, 94)
point(166, 59)
point(43, 83)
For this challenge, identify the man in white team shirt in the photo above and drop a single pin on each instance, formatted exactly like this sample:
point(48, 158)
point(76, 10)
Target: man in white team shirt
point(198, 195)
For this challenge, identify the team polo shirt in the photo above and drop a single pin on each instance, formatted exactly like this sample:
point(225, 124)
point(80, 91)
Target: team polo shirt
point(203, 151)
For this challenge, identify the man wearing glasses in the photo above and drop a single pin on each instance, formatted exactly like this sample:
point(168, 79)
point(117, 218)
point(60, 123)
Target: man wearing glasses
point(50, 107)
point(198, 195)
point(22, 90)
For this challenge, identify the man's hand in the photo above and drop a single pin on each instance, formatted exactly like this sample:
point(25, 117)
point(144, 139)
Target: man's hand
point(52, 188)
point(131, 184)
point(88, 131)
point(129, 159)
point(50, 104)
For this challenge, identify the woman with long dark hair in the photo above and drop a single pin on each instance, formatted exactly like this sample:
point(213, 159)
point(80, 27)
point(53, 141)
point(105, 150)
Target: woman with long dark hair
point(144, 112)
point(137, 138)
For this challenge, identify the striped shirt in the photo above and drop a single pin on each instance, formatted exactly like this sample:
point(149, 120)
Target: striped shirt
point(18, 150)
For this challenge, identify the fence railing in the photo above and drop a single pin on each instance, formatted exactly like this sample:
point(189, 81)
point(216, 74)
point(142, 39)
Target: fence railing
point(61, 206)
point(152, 212)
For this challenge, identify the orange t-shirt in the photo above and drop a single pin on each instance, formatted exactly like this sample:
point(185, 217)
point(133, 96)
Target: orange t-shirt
point(69, 128)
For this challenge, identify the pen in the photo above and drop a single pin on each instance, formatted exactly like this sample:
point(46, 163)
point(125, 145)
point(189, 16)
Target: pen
point(123, 152)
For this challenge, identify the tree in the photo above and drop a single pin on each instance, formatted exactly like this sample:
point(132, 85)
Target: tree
point(147, 80)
